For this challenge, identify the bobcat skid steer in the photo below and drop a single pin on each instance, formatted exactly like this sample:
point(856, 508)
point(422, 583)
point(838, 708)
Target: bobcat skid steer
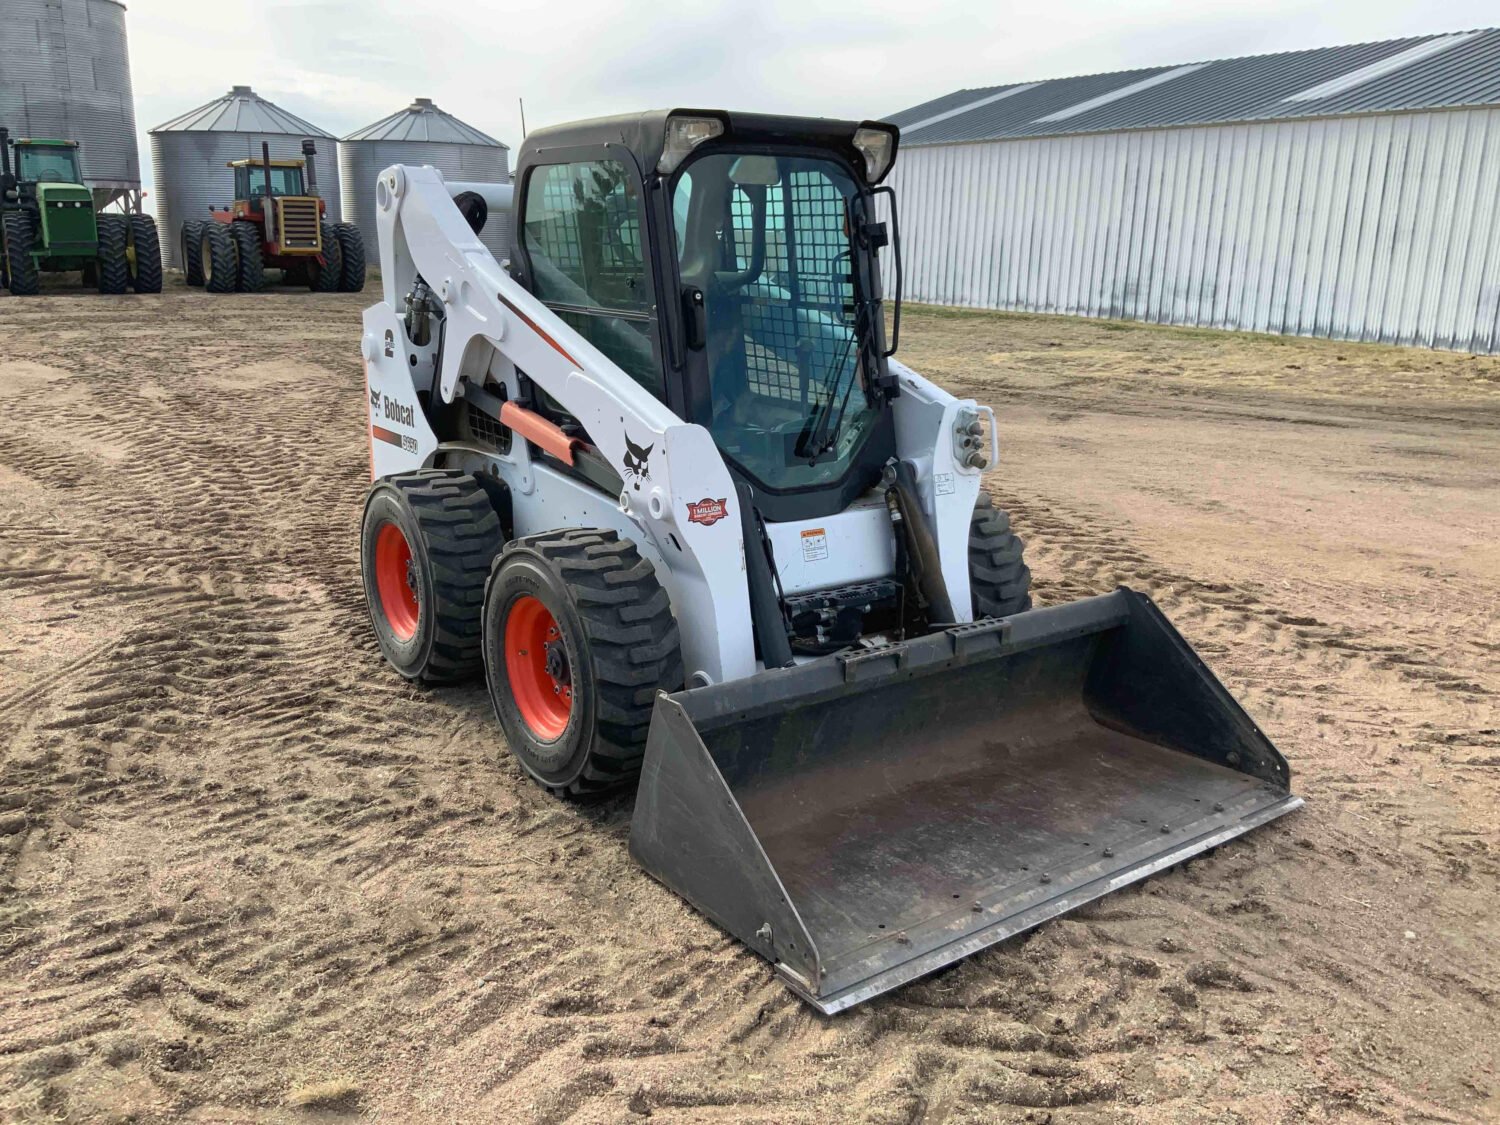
point(659, 479)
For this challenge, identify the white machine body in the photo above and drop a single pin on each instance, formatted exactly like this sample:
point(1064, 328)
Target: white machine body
point(678, 504)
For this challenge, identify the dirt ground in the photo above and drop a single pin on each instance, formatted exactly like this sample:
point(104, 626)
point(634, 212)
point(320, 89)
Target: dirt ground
point(248, 874)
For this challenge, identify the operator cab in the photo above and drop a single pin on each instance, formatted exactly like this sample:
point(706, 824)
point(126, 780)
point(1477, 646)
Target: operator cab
point(250, 178)
point(47, 162)
point(729, 263)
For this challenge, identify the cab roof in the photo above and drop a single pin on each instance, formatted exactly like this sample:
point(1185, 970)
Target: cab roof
point(257, 162)
point(644, 135)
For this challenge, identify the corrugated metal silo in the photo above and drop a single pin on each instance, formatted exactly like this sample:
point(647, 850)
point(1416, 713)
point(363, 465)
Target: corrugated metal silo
point(190, 154)
point(421, 134)
point(65, 73)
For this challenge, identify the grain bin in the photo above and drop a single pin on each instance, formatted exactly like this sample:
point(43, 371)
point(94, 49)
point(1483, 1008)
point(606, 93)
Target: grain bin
point(65, 74)
point(190, 155)
point(422, 134)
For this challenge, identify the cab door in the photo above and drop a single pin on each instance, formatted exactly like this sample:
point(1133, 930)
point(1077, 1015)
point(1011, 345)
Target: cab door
point(583, 248)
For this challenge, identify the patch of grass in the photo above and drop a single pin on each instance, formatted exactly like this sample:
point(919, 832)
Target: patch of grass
point(336, 1093)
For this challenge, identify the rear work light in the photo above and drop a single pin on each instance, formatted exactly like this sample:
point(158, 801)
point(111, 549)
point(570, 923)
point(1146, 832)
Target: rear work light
point(683, 135)
point(878, 147)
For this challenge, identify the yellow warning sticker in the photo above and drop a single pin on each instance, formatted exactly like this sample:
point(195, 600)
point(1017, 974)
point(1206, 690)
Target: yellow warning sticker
point(814, 544)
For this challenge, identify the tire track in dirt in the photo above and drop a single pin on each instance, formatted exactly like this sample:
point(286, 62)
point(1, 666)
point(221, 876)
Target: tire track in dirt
point(250, 857)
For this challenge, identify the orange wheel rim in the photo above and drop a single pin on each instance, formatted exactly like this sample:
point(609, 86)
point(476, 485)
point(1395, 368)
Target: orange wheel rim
point(536, 664)
point(396, 581)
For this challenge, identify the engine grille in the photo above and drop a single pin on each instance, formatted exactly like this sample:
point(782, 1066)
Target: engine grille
point(298, 219)
point(487, 430)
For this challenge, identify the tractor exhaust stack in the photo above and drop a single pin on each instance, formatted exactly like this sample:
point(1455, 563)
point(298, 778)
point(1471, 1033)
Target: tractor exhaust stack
point(7, 181)
point(309, 152)
point(867, 818)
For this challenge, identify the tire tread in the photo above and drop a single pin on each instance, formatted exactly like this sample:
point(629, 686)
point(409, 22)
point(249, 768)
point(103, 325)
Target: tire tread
point(633, 639)
point(190, 242)
point(462, 535)
point(19, 240)
point(114, 269)
point(252, 262)
point(327, 277)
point(352, 255)
point(999, 579)
point(148, 271)
point(221, 250)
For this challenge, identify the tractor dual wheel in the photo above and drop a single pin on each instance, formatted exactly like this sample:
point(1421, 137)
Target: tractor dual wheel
point(218, 259)
point(578, 639)
point(144, 254)
point(352, 256)
point(113, 276)
point(252, 260)
point(326, 276)
point(425, 550)
point(21, 274)
point(189, 251)
point(999, 579)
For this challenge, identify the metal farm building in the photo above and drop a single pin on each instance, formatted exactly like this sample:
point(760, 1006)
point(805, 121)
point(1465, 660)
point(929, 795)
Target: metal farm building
point(1347, 192)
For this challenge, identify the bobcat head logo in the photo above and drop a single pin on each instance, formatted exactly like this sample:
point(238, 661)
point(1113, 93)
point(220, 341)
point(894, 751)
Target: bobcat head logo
point(635, 461)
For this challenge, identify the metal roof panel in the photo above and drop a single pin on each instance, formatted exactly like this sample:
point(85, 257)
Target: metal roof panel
point(424, 121)
point(241, 110)
point(1462, 72)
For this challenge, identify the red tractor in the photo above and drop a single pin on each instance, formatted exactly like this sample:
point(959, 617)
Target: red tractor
point(277, 219)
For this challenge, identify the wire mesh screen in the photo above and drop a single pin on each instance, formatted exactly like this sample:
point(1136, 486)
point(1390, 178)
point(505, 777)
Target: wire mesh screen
point(552, 222)
point(798, 317)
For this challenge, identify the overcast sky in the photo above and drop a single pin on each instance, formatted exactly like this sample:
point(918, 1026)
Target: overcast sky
point(342, 64)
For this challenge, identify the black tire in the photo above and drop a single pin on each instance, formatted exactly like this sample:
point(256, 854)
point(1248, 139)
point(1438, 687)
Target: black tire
point(146, 245)
point(21, 274)
point(218, 259)
point(614, 643)
point(189, 252)
point(352, 254)
point(326, 276)
point(451, 534)
point(113, 258)
point(251, 254)
point(999, 579)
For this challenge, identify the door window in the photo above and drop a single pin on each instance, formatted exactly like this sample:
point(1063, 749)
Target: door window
point(583, 234)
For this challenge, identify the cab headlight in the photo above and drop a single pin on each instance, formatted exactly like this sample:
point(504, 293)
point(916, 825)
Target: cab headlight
point(878, 146)
point(683, 135)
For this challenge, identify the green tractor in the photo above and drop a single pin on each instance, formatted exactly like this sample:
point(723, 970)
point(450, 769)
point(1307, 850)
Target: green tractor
point(48, 225)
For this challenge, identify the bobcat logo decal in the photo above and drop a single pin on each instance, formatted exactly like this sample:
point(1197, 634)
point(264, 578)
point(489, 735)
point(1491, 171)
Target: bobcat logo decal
point(635, 462)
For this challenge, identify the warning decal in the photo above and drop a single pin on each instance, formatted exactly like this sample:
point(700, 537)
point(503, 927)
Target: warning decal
point(814, 544)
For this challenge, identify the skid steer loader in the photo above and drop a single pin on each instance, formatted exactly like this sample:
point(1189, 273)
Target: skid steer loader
point(661, 481)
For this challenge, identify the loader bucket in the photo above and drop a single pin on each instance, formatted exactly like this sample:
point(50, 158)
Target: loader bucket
point(864, 819)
